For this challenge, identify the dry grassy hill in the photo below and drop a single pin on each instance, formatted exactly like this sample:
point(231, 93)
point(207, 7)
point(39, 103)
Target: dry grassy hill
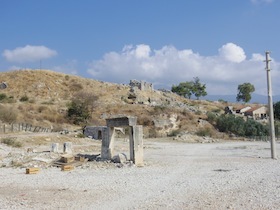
point(40, 97)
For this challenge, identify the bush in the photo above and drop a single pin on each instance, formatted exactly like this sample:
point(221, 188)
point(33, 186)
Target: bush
point(174, 133)
point(211, 117)
point(3, 96)
point(204, 132)
point(24, 98)
point(198, 112)
point(78, 112)
point(7, 115)
point(240, 127)
point(11, 142)
point(159, 109)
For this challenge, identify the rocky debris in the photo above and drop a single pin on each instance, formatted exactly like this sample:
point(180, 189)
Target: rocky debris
point(3, 85)
point(187, 137)
point(119, 158)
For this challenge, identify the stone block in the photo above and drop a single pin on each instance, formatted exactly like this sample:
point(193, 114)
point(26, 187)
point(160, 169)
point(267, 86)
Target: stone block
point(54, 147)
point(121, 121)
point(67, 147)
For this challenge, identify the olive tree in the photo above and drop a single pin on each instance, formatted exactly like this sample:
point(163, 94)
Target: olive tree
point(183, 89)
point(187, 89)
point(244, 92)
point(198, 89)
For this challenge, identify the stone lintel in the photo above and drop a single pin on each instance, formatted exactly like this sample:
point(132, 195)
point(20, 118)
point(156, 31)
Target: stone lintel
point(121, 121)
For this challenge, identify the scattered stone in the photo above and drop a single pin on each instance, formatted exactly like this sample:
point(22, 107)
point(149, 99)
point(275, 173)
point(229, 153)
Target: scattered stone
point(3, 85)
point(54, 147)
point(67, 147)
point(119, 158)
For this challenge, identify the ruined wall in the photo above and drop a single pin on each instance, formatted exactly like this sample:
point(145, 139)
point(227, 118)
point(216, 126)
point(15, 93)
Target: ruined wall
point(95, 132)
point(141, 85)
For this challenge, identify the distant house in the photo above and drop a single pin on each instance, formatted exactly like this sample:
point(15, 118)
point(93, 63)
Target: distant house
point(242, 110)
point(257, 113)
point(237, 110)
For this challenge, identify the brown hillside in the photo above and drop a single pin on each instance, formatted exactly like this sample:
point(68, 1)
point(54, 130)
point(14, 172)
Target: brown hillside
point(48, 93)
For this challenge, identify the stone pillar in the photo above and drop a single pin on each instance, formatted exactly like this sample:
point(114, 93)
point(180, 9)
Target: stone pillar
point(131, 142)
point(54, 147)
point(138, 145)
point(107, 143)
point(67, 147)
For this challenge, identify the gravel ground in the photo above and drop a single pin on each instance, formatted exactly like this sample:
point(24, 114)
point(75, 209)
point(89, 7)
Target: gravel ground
point(176, 175)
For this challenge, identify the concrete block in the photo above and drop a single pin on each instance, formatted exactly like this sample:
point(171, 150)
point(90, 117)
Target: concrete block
point(67, 147)
point(54, 147)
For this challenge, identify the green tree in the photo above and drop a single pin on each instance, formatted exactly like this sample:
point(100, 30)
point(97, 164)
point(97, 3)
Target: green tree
point(183, 89)
point(276, 108)
point(198, 89)
point(186, 89)
point(81, 107)
point(244, 92)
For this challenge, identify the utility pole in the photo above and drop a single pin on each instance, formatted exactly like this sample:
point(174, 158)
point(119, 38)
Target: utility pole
point(270, 106)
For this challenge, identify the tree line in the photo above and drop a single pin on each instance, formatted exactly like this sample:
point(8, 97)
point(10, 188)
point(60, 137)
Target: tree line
point(196, 88)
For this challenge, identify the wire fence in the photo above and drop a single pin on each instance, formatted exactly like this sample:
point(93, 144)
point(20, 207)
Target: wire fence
point(263, 138)
point(17, 127)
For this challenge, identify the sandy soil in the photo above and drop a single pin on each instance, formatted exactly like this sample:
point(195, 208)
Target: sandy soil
point(176, 175)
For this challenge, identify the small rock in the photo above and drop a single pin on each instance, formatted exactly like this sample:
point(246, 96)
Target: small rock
point(119, 158)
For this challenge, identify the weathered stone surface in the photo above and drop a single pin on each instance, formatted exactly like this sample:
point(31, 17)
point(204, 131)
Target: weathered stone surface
point(3, 85)
point(119, 158)
point(67, 147)
point(121, 121)
point(135, 139)
point(54, 147)
point(95, 132)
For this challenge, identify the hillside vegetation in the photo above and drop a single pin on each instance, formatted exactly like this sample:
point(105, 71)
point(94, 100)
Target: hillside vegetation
point(42, 97)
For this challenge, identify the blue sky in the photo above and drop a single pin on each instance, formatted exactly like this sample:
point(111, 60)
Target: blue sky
point(160, 41)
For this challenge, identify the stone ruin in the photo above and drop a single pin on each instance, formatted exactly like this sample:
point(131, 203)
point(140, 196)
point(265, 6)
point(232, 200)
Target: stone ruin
point(107, 134)
point(141, 85)
point(3, 85)
point(94, 132)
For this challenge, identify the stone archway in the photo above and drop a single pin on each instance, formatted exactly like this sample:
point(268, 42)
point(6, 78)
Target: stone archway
point(135, 139)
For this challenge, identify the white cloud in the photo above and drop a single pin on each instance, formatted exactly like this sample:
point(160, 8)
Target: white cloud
point(168, 66)
point(28, 54)
point(232, 52)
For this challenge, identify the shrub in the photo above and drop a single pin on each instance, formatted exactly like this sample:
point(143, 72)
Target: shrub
point(78, 112)
point(81, 135)
point(174, 133)
point(238, 126)
point(145, 120)
point(7, 115)
point(211, 117)
point(216, 110)
point(159, 109)
point(198, 112)
point(204, 132)
point(3, 96)
point(67, 77)
point(11, 142)
point(24, 98)
point(76, 87)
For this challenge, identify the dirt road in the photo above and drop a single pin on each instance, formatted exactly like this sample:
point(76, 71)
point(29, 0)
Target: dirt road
point(176, 175)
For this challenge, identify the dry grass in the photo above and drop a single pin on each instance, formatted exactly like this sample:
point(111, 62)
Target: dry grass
point(11, 142)
point(49, 93)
